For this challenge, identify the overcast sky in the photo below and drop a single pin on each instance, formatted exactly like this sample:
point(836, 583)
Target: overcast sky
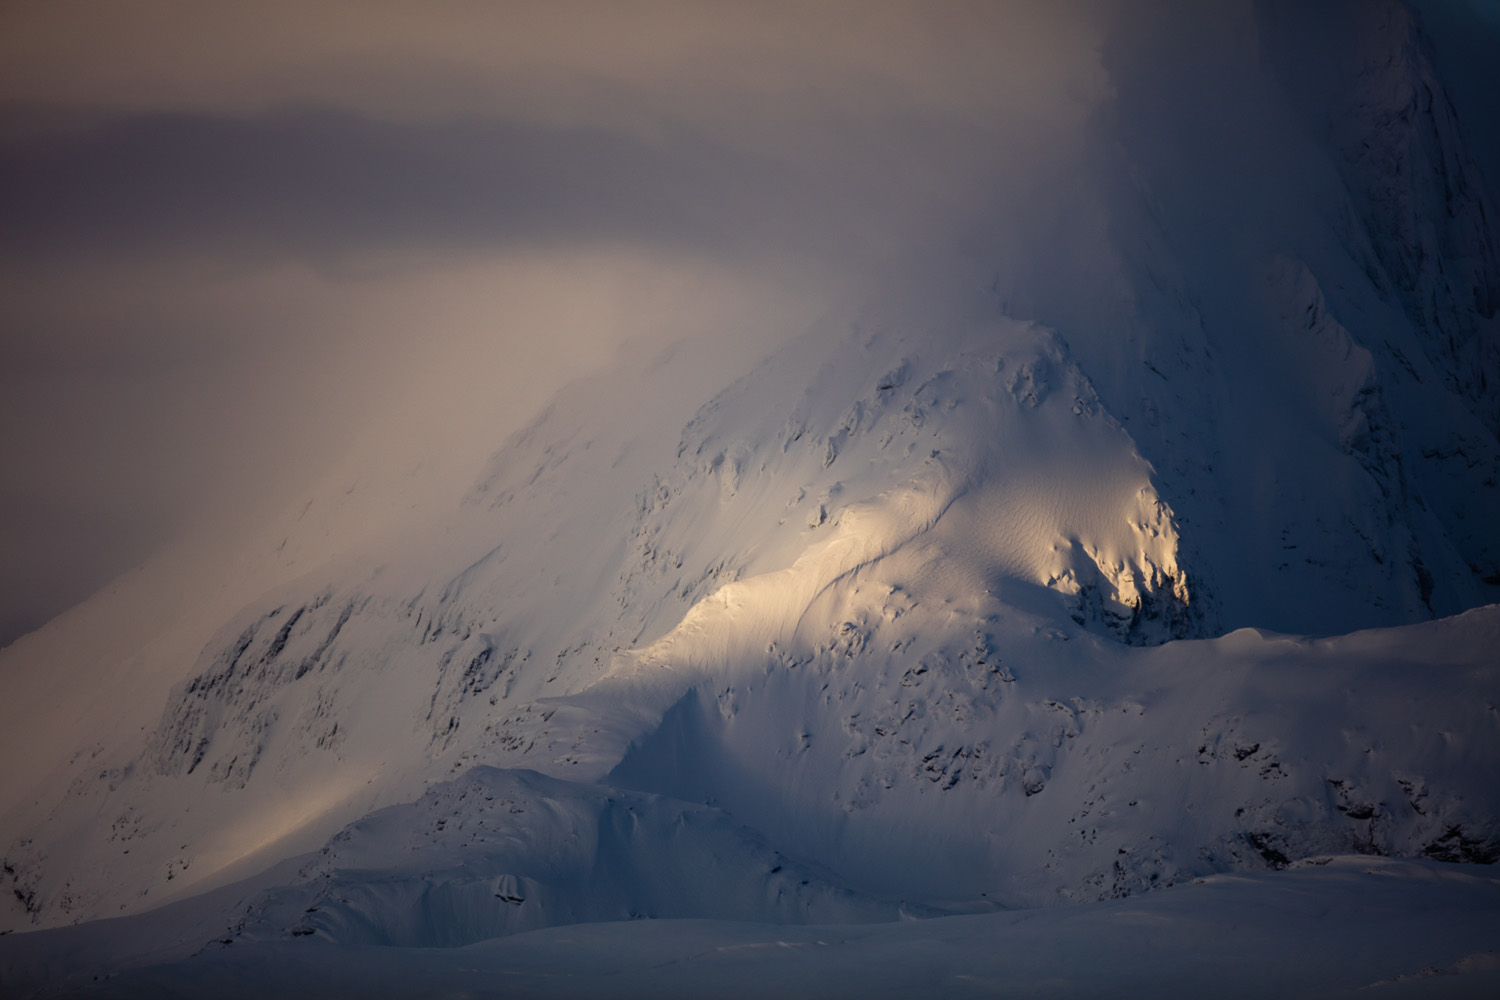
point(236, 240)
point(236, 237)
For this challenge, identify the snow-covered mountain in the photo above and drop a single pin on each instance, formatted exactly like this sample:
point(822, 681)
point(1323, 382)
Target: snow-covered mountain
point(1166, 552)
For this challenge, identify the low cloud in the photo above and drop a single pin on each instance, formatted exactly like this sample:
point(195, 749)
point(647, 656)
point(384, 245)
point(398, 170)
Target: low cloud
point(240, 241)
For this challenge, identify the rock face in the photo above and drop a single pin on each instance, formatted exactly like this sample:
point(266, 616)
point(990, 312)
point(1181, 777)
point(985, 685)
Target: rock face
point(919, 614)
point(1421, 203)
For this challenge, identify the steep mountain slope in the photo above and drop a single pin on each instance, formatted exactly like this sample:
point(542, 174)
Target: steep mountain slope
point(927, 613)
point(851, 579)
point(1243, 284)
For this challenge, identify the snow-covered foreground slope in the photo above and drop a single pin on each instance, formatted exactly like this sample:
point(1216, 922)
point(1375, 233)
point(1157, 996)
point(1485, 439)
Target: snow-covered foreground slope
point(956, 602)
point(1090, 770)
point(1332, 927)
point(1068, 768)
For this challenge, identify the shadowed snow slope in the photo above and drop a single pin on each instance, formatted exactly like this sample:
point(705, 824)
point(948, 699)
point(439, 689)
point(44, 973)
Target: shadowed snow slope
point(1334, 927)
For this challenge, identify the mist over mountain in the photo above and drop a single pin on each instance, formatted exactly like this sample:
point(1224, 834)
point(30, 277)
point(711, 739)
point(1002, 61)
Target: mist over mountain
point(1037, 486)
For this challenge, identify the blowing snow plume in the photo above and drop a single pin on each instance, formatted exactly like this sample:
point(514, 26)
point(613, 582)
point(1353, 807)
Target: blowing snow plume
point(872, 463)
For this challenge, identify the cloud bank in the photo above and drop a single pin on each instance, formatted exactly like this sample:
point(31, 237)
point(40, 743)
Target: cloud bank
point(242, 243)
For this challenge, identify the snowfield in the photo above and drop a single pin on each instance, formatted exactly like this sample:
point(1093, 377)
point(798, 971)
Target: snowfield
point(1127, 630)
point(1331, 927)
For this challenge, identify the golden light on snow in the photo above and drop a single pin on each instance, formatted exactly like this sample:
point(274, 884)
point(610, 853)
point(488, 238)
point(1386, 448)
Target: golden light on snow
point(283, 822)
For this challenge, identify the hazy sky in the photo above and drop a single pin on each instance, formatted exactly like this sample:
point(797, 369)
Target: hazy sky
point(238, 240)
